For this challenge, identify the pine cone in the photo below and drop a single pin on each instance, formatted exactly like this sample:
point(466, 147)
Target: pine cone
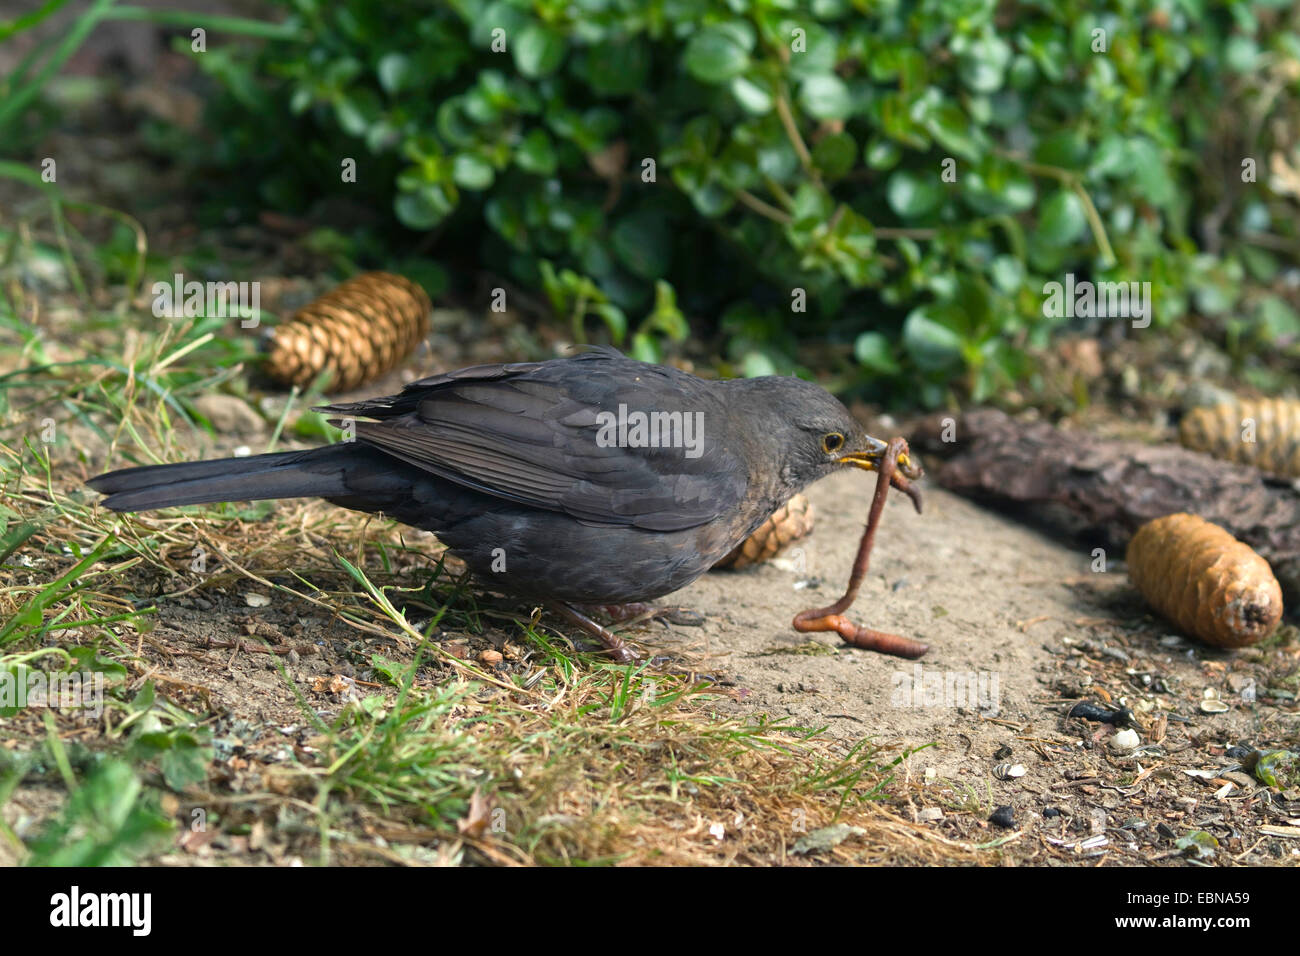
point(792, 520)
point(359, 330)
point(1264, 433)
point(1204, 580)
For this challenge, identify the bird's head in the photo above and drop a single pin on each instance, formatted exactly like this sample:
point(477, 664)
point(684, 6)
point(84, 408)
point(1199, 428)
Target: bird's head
point(816, 433)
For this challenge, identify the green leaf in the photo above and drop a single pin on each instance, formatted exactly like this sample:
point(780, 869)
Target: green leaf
point(912, 195)
point(756, 364)
point(983, 62)
point(88, 660)
point(185, 762)
point(873, 351)
point(536, 154)
point(539, 50)
point(423, 208)
point(934, 347)
point(826, 96)
point(645, 348)
point(107, 821)
point(1278, 322)
point(882, 154)
point(1110, 158)
point(814, 52)
point(394, 72)
point(1198, 844)
point(667, 317)
point(643, 244)
point(1065, 148)
point(751, 97)
point(1007, 273)
point(953, 129)
point(1276, 768)
point(835, 155)
point(1241, 53)
point(356, 110)
point(472, 172)
point(617, 68)
point(715, 55)
point(613, 318)
point(1153, 177)
point(1062, 220)
point(998, 187)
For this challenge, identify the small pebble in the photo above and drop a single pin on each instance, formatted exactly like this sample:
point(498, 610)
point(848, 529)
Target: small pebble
point(1086, 710)
point(1003, 817)
point(1125, 739)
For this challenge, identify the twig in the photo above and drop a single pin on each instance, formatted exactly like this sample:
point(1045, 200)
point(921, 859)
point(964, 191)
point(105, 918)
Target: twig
point(796, 140)
point(762, 208)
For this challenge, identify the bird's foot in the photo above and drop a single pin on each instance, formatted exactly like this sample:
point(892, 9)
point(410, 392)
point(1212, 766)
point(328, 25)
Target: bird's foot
point(617, 648)
point(638, 611)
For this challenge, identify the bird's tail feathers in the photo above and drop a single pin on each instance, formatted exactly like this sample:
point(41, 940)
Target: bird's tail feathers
point(319, 472)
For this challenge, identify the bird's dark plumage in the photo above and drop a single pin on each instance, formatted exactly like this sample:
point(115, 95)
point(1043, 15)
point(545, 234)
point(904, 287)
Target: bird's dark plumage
point(513, 467)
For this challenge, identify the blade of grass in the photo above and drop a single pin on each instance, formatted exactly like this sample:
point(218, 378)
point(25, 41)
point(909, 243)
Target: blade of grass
point(18, 99)
point(242, 26)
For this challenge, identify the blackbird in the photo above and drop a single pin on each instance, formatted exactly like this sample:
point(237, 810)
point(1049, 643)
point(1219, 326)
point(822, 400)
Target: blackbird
point(593, 480)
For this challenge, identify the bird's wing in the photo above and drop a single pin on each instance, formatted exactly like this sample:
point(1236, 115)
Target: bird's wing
point(532, 433)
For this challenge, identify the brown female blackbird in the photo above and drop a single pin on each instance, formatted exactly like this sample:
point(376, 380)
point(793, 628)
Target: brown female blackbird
point(589, 480)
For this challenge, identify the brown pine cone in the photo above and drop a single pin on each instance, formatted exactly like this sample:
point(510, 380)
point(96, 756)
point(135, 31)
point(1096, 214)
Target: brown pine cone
point(1263, 433)
point(359, 330)
point(792, 520)
point(1204, 580)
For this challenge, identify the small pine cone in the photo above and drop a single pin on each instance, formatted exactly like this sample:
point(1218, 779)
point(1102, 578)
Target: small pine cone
point(1264, 433)
point(1204, 580)
point(359, 330)
point(792, 520)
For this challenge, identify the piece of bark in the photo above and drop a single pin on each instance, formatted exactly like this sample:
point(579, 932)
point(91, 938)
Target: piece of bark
point(1105, 488)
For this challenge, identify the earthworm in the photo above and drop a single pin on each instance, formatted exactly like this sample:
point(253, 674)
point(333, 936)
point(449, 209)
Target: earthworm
point(832, 618)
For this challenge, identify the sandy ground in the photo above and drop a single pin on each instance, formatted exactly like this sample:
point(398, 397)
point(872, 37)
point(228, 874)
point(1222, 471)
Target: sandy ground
point(1020, 618)
point(955, 577)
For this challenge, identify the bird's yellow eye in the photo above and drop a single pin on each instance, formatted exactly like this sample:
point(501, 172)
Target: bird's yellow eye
point(832, 443)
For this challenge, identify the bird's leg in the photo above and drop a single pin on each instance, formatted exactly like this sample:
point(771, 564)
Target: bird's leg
point(644, 611)
point(619, 649)
point(832, 618)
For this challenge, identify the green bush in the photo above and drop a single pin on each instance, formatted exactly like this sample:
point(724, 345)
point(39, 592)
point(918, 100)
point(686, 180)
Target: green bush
point(756, 157)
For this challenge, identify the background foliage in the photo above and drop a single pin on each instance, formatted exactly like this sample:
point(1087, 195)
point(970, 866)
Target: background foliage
point(798, 146)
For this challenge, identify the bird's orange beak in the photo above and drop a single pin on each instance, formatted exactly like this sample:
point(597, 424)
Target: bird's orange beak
point(870, 460)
